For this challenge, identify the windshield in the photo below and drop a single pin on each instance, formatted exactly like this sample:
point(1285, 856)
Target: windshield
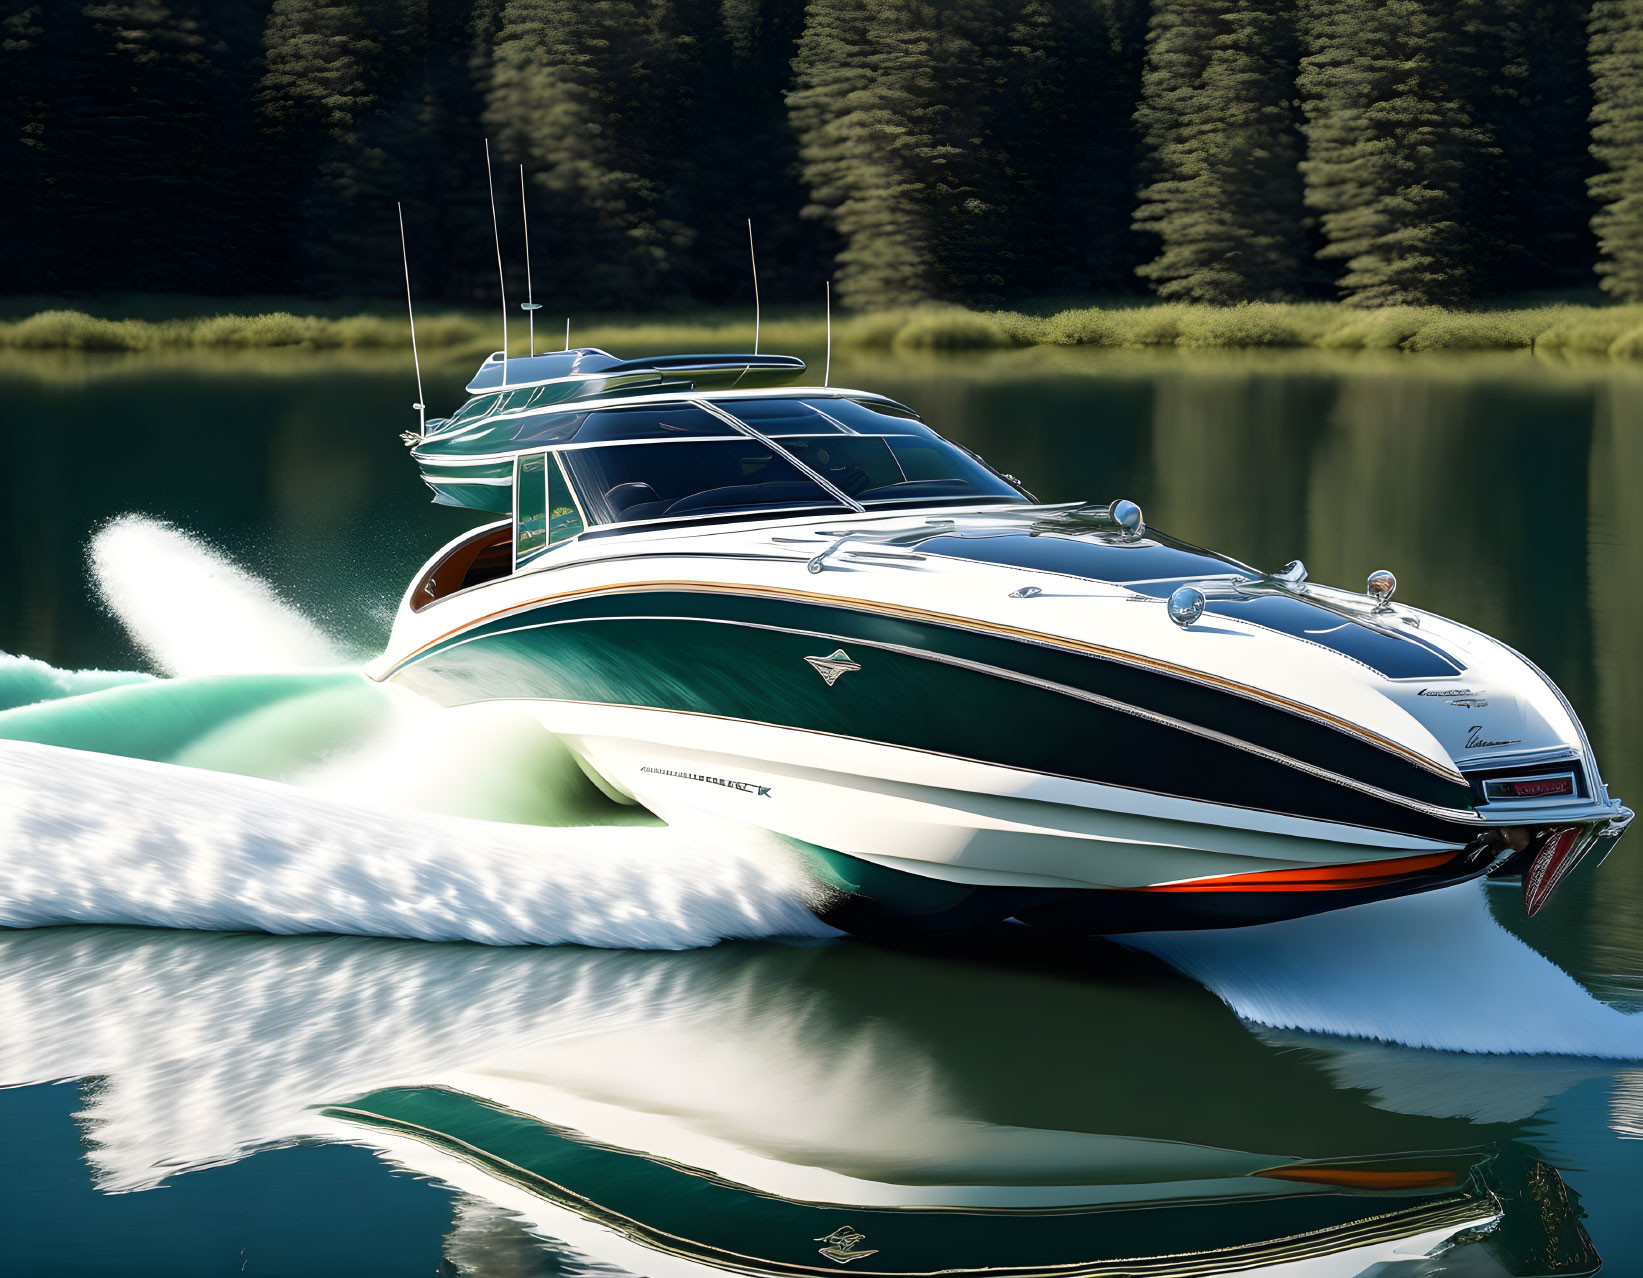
point(872, 453)
point(623, 483)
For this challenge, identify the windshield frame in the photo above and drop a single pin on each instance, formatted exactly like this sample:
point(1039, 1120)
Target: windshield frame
point(842, 503)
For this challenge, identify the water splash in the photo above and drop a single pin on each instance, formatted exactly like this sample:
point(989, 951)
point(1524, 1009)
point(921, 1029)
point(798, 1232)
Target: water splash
point(1433, 970)
point(194, 611)
point(207, 1047)
point(25, 681)
point(130, 841)
point(179, 719)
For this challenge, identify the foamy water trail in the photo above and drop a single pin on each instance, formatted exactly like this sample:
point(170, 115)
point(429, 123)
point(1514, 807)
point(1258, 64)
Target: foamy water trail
point(25, 681)
point(88, 839)
point(1434, 970)
point(208, 1047)
point(193, 610)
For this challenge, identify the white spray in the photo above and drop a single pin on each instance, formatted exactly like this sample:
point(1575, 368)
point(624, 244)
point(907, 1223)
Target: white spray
point(1434, 970)
point(193, 610)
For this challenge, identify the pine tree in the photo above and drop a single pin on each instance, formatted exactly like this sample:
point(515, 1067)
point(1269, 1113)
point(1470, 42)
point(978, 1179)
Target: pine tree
point(1536, 89)
point(1398, 165)
point(739, 158)
point(1617, 144)
point(1062, 127)
point(324, 62)
point(590, 97)
point(26, 67)
point(1224, 193)
point(116, 110)
point(890, 106)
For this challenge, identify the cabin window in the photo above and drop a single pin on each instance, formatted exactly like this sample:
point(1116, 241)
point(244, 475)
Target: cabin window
point(530, 508)
point(651, 421)
point(626, 483)
point(564, 517)
point(782, 417)
point(871, 455)
point(877, 468)
point(545, 509)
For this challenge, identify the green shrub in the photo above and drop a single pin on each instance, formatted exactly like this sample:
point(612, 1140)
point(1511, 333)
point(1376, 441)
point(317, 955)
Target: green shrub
point(1245, 325)
point(1383, 330)
point(74, 330)
point(1629, 345)
point(1587, 330)
point(278, 328)
point(950, 330)
point(444, 330)
point(873, 330)
point(1022, 330)
point(1601, 331)
point(1461, 331)
point(1091, 326)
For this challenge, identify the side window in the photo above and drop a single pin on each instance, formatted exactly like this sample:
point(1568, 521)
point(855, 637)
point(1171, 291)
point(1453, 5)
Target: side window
point(564, 519)
point(530, 507)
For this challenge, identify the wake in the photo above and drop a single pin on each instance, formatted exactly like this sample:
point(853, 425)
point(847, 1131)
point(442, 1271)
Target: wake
point(375, 837)
point(134, 842)
point(1434, 970)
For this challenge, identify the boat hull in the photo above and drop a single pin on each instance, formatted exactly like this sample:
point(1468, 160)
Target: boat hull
point(980, 767)
point(910, 839)
point(945, 775)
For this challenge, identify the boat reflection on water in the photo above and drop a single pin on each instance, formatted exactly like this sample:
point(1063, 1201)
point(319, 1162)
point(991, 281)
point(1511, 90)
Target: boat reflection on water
point(773, 1109)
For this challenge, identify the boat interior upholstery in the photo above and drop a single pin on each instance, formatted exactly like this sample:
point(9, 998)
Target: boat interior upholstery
point(485, 556)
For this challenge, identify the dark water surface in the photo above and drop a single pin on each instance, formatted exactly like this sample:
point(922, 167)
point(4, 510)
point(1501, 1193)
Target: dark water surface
point(185, 1103)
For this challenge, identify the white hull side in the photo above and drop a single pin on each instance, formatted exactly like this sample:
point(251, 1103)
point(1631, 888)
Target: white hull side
point(940, 817)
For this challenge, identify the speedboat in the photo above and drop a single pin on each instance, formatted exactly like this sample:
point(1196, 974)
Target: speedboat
point(800, 609)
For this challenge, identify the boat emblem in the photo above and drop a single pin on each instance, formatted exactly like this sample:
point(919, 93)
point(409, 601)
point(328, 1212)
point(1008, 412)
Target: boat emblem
point(833, 665)
point(841, 1245)
point(1475, 740)
point(1466, 698)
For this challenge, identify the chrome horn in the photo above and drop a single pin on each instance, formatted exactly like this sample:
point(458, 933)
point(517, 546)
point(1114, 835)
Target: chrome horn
point(1186, 605)
point(1382, 585)
point(1127, 515)
point(1293, 576)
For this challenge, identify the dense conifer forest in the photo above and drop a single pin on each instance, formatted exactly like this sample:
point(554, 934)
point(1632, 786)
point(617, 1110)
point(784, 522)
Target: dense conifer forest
point(983, 152)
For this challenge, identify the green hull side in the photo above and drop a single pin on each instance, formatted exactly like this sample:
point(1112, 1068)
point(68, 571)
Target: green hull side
point(762, 674)
point(689, 1213)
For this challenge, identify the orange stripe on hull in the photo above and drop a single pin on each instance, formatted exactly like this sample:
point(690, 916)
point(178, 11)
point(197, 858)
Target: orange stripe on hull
point(1358, 1178)
point(1321, 878)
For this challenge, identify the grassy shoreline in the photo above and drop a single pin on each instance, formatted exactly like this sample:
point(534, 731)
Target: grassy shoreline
point(1563, 328)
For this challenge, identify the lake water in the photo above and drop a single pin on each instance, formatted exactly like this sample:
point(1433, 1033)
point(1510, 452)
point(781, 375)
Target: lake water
point(180, 1101)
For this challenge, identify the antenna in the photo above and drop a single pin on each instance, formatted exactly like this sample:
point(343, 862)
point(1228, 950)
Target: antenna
point(753, 259)
point(530, 305)
point(827, 369)
point(500, 281)
point(567, 332)
point(405, 257)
